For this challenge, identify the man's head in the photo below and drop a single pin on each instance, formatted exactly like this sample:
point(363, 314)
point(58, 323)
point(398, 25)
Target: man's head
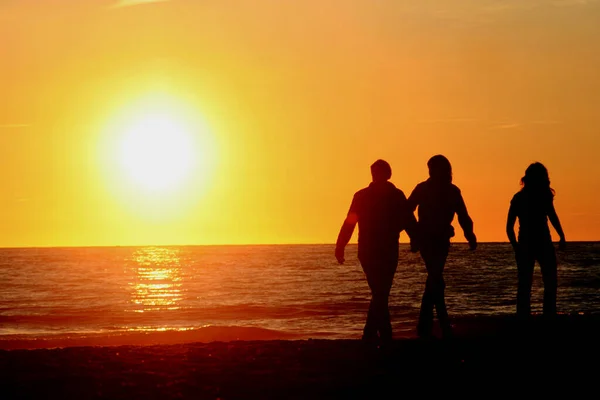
point(381, 171)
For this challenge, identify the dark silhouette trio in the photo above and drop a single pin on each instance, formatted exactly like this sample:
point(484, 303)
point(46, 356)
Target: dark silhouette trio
point(382, 212)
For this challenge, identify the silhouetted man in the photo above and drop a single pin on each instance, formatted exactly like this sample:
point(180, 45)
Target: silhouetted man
point(382, 212)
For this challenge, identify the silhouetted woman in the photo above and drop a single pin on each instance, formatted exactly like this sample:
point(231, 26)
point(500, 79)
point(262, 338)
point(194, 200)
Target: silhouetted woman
point(438, 200)
point(533, 205)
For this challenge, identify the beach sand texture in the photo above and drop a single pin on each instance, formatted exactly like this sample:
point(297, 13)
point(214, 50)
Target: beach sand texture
point(486, 350)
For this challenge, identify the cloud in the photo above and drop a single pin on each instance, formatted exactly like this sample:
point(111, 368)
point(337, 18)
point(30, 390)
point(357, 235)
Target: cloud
point(515, 5)
point(128, 3)
point(545, 122)
point(573, 2)
point(515, 124)
point(586, 215)
point(14, 126)
point(490, 124)
point(511, 125)
point(447, 121)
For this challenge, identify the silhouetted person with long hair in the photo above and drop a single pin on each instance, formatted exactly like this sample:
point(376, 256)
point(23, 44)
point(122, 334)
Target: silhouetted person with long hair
point(381, 212)
point(533, 205)
point(438, 200)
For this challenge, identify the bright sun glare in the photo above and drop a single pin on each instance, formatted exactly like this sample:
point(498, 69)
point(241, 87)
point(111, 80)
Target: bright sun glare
point(158, 155)
point(157, 152)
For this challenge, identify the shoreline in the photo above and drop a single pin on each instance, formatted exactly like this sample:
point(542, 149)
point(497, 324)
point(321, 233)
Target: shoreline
point(146, 338)
point(464, 327)
point(497, 351)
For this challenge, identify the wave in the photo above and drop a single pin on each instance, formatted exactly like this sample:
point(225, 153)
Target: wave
point(465, 327)
point(150, 337)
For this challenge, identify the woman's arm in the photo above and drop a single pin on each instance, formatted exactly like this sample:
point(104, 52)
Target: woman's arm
point(510, 226)
point(465, 221)
point(553, 217)
point(415, 198)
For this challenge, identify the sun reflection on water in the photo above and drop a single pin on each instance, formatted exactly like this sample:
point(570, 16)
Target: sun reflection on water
point(157, 278)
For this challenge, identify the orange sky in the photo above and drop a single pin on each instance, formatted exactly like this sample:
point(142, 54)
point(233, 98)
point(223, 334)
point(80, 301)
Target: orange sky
point(296, 100)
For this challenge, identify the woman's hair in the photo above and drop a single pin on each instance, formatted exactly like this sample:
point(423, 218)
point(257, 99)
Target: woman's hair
point(537, 180)
point(440, 169)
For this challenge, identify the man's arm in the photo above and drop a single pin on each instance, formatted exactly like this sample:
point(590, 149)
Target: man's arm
point(553, 217)
point(346, 231)
point(465, 221)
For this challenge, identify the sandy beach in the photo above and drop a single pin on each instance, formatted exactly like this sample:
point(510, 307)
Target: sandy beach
point(485, 350)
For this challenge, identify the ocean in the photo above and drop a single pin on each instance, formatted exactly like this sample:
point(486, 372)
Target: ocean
point(297, 289)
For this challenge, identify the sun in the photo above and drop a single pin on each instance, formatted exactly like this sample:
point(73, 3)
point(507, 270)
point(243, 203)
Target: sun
point(156, 152)
point(158, 155)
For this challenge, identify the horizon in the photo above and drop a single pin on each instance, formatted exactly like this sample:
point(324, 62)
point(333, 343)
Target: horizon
point(354, 243)
point(143, 121)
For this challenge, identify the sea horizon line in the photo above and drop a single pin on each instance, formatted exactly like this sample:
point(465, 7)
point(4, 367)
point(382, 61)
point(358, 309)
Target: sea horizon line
point(33, 247)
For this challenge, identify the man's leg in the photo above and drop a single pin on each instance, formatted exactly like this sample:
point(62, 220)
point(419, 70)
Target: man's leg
point(370, 329)
point(380, 276)
point(382, 295)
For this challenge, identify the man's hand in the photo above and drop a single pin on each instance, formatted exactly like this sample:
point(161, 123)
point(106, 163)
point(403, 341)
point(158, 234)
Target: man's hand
point(339, 255)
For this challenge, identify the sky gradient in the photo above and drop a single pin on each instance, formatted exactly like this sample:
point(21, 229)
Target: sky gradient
point(289, 103)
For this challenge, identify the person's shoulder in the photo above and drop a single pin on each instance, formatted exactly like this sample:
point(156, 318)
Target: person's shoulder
point(417, 192)
point(420, 186)
point(517, 197)
point(455, 189)
point(361, 192)
point(395, 189)
point(399, 193)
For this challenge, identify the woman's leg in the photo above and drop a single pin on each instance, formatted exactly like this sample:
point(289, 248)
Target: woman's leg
point(547, 260)
point(439, 286)
point(425, 323)
point(525, 265)
point(434, 254)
